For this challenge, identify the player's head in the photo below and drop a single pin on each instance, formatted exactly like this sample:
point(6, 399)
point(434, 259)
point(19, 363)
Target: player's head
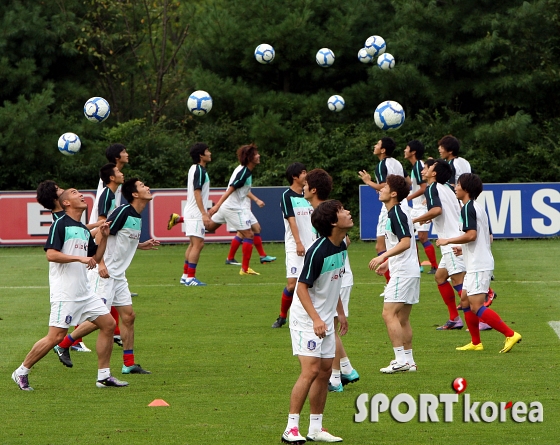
point(386, 146)
point(116, 152)
point(414, 147)
point(469, 183)
point(110, 173)
point(73, 199)
point(320, 181)
point(48, 193)
point(329, 214)
point(439, 168)
point(198, 150)
point(448, 146)
point(248, 154)
point(133, 189)
point(395, 188)
point(294, 171)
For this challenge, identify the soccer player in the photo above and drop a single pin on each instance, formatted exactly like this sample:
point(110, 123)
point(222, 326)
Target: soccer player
point(403, 289)
point(113, 179)
point(444, 212)
point(111, 285)
point(479, 262)
point(71, 250)
point(448, 147)
point(414, 152)
point(231, 208)
point(316, 301)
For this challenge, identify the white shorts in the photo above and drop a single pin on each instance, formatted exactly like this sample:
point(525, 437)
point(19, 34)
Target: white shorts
point(114, 292)
point(194, 227)
point(453, 263)
point(403, 290)
point(476, 283)
point(415, 213)
point(345, 298)
point(382, 221)
point(235, 219)
point(308, 344)
point(70, 313)
point(294, 264)
point(251, 218)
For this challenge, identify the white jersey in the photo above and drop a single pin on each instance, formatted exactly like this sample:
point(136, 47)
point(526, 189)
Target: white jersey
point(348, 276)
point(388, 166)
point(459, 166)
point(399, 226)
point(416, 178)
point(197, 180)
point(295, 205)
point(94, 210)
point(477, 254)
point(446, 225)
point(241, 180)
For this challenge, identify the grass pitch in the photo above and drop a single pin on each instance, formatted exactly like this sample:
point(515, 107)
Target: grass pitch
point(227, 375)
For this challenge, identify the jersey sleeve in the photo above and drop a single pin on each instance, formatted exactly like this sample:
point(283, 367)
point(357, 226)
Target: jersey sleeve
point(381, 172)
point(117, 218)
point(287, 206)
point(468, 214)
point(92, 247)
point(241, 178)
point(432, 196)
point(312, 265)
point(453, 173)
point(105, 202)
point(56, 236)
point(199, 178)
point(417, 170)
point(399, 223)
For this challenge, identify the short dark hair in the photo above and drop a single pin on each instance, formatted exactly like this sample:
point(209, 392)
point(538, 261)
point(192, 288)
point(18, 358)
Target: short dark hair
point(417, 147)
point(442, 168)
point(398, 184)
point(389, 145)
point(450, 143)
point(106, 172)
point(320, 180)
point(113, 152)
point(46, 194)
point(472, 184)
point(246, 153)
point(197, 150)
point(324, 216)
point(294, 169)
point(128, 188)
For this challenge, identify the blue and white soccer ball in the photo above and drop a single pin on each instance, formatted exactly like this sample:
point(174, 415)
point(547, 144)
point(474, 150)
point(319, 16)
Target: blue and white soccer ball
point(386, 61)
point(336, 103)
point(324, 57)
point(364, 57)
point(375, 46)
point(264, 53)
point(199, 103)
point(69, 144)
point(97, 109)
point(389, 115)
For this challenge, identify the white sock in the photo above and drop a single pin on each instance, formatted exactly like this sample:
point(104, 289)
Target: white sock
point(104, 373)
point(399, 355)
point(293, 421)
point(315, 423)
point(184, 277)
point(335, 377)
point(345, 366)
point(22, 370)
point(408, 357)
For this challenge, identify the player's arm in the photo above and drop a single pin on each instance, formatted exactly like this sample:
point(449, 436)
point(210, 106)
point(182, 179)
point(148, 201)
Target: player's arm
point(225, 196)
point(55, 256)
point(200, 205)
point(102, 234)
point(366, 177)
point(257, 201)
point(399, 223)
point(300, 249)
point(402, 245)
point(468, 215)
point(418, 192)
point(150, 244)
point(433, 203)
point(467, 237)
point(319, 326)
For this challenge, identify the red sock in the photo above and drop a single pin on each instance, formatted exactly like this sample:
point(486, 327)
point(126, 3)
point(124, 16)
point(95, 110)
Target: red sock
point(115, 315)
point(490, 317)
point(67, 342)
point(247, 251)
point(180, 220)
point(257, 240)
point(472, 324)
point(128, 357)
point(186, 268)
point(448, 295)
point(191, 271)
point(78, 340)
point(430, 253)
point(287, 298)
point(235, 243)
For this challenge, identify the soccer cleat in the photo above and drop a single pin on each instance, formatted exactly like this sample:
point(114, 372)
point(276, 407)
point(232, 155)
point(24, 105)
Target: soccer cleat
point(382, 294)
point(110, 382)
point(248, 272)
point(337, 388)
point(293, 436)
point(483, 326)
point(21, 381)
point(193, 282)
point(421, 269)
point(118, 340)
point(63, 356)
point(134, 369)
point(394, 367)
point(323, 436)
point(267, 259)
point(233, 262)
point(349, 378)
point(413, 368)
point(80, 347)
point(280, 321)
point(471, 347)
point(432, 271)
point(451, 325)
point(173, 220)
point(510, 342)
point(133, 294)
point(490, 297)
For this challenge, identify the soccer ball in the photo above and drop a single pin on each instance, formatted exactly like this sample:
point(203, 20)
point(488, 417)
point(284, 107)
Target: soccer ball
point(336, 103)
point(264, 53)
point(364, 57)
point(389, 115)
point(375, 46)
point(386, 61)
point(324, 57)
point(69, 144)
point(97, 109)
point(199, 103)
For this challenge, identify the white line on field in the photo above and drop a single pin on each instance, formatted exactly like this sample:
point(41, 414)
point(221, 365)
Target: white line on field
point(555, 325)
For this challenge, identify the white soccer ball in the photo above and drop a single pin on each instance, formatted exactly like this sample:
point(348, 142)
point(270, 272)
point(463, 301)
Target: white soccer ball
point(375, 46)
point(199, 103)
point(336, 103)
point(264, 53)
point(386, 61)
point(97, 109)
point(364, 57)
point(324, 57)
point(69, 144)
point(389, 115)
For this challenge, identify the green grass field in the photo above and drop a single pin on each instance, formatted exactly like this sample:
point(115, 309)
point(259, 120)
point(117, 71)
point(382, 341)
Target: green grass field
point(227, 375)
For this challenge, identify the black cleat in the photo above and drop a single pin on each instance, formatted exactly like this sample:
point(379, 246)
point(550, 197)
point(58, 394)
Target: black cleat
point(280, 321)
point(117, 339)
point(63, 356)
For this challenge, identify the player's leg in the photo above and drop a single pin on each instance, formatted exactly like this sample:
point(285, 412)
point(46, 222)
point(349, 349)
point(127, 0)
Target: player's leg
point(195, 232)
point(447, 292)
point(257, 240)
point(341, 361)
point(117, 333)
point(104, 348)
point(235, 244)
point(128, 317)
point(294, 265)
point(391, 309)
point(471, 320)
point(429, 250)
point(335, 382)
point(63, 348)
point(174, 219)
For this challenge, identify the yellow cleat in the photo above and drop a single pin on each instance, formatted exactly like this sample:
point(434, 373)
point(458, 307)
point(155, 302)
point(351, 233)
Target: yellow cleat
point(248, 272)
point(172, 221)
point(471, 347)
point(511, 341)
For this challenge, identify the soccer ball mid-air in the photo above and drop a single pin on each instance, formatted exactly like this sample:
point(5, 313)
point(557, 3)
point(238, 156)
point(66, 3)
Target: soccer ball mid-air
point(97, 109)
point(389, 115)
point(386, 61)
point(199, 103)
point(336, 103)
point(364, 57)
point(264, 53)
point(324, 57)
point(69, 144)
point(375, 46)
